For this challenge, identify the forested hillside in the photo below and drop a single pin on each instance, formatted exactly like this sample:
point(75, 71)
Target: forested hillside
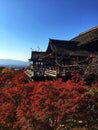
point(48, 105)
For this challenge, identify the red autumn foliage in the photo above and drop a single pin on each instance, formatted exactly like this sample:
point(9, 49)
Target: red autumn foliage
point(49, 105)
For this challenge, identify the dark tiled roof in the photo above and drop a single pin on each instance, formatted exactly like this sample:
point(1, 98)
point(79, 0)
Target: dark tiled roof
point(87, 36)
point(82, 45)
point(61, 46)
point(35, 55)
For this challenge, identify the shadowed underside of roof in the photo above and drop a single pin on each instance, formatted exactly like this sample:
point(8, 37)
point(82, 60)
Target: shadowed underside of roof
point(91, 46)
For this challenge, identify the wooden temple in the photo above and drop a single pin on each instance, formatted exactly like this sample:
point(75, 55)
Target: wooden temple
point(63, 57)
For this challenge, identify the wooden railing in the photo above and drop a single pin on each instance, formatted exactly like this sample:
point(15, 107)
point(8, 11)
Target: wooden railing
point(52, 73)
point(29, 73)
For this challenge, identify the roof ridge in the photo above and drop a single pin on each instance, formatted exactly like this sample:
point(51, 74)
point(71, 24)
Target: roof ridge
point(50, 39)
point(89, 30)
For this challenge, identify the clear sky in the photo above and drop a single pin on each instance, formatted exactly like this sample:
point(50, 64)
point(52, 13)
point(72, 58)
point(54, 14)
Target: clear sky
point(26, 24)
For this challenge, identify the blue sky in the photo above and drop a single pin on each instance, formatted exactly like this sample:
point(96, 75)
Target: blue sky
point(26, 24)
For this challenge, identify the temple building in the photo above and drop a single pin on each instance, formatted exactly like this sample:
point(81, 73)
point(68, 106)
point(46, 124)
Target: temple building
point(63, 57)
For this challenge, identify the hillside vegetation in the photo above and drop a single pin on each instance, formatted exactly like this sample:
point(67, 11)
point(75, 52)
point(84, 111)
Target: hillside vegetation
point(49, 105)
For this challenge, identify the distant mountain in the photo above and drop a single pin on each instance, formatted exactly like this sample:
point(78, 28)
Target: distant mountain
point(13, 63)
